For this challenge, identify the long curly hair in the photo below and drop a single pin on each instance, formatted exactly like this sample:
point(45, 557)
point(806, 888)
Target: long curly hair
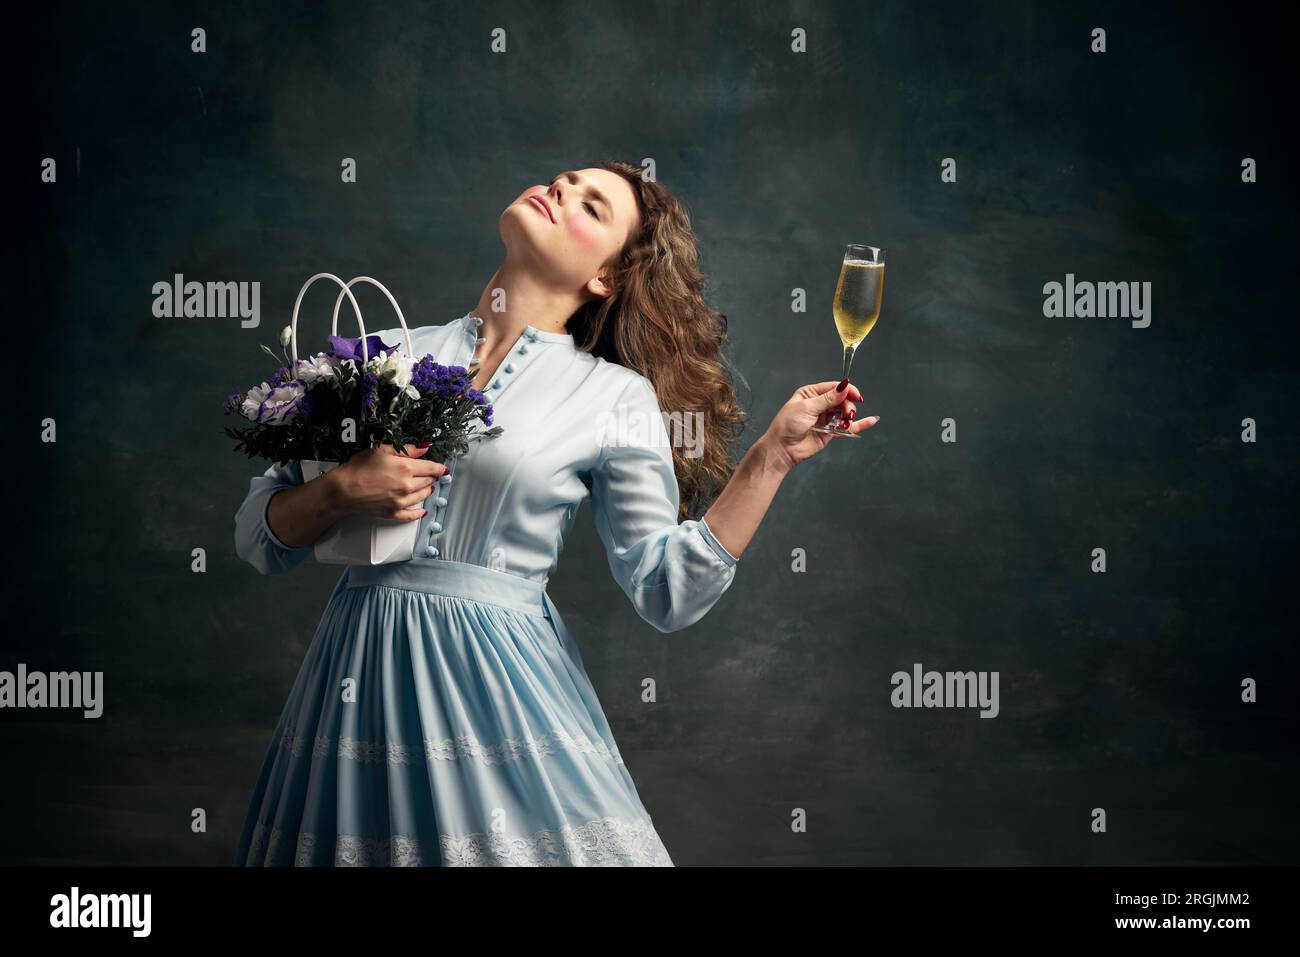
point(657, 323)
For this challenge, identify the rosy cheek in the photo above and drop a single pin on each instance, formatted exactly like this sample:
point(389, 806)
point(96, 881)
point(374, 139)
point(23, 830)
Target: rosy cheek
point(586, 232)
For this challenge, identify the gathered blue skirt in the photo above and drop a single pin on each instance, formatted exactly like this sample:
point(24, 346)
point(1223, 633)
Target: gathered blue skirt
point(441, 717)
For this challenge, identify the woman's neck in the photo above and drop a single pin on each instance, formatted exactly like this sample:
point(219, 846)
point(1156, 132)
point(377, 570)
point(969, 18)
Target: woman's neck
point(513, 299)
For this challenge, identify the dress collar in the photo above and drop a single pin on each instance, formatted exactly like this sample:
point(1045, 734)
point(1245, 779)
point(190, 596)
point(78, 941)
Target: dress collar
point(531, 333)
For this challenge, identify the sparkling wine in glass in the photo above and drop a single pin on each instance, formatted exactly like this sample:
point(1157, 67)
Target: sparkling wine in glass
point(856, 309)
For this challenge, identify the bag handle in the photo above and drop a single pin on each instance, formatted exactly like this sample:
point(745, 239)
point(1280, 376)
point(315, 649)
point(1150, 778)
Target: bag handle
point(334, 329)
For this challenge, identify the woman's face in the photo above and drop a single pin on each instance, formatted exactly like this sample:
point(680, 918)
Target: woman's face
point(570, 229)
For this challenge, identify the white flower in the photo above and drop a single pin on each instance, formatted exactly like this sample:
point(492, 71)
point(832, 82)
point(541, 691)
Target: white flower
point(281, 404)
point(394, 367)
point(286, 336)
point(318, 367)
point(253, 401)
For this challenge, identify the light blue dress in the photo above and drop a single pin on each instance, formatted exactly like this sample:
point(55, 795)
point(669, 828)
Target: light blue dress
point(442, 714)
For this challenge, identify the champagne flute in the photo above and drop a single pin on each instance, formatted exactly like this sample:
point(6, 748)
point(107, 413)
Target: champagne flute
point(856, 309)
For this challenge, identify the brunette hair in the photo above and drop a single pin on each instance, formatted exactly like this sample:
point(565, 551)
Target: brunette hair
point(657, 323)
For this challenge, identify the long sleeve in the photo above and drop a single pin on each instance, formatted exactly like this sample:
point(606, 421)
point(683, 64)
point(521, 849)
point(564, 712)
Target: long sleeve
point(673, 572)
point(255, 543)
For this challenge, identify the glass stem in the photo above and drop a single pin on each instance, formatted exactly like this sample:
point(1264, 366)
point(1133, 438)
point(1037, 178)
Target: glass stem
point(848, 361)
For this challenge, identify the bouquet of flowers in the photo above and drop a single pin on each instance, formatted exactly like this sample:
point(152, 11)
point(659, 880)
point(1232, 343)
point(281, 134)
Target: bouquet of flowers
point(325, 409)
point(335, 404)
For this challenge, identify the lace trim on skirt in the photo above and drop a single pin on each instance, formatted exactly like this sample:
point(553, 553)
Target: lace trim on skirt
point(605, 842)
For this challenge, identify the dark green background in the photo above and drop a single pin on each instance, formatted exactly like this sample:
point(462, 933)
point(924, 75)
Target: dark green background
point(1118, 691)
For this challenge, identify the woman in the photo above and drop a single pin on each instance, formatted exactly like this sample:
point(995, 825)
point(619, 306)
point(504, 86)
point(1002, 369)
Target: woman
point(442, 714)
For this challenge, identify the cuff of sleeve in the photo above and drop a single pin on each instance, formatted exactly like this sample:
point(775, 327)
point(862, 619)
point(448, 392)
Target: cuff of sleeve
point(266, 526)
point(716, 545)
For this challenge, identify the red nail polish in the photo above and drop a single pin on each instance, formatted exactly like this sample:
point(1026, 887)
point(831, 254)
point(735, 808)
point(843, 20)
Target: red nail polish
point(853, 413)
point(842, 386)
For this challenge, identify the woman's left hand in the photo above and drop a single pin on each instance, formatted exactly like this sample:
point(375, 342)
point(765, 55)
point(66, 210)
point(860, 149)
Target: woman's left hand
point(817, 404)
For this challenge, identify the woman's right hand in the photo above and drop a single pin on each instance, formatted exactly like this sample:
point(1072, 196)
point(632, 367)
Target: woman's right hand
point(380, 483)
point(790, 433)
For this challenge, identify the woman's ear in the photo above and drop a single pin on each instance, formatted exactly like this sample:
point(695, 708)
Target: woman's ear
point(599, 287)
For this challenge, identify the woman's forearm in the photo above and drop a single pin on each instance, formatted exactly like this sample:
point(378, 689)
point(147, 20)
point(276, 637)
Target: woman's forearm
point(736, 513)
point(300, 515)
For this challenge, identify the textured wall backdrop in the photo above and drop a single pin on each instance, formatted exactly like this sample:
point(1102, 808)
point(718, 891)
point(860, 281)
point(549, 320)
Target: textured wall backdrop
point(1120, 690)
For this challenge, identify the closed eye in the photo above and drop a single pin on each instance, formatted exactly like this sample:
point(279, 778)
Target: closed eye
point(586, 205)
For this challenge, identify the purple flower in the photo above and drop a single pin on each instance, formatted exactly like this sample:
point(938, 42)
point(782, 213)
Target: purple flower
point(430, 378)
point(369, 390)
point(351, 348)
point(278, 405)
point(282, 377)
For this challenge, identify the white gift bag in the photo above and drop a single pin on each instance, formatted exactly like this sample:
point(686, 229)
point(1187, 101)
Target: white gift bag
point(357, 540)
